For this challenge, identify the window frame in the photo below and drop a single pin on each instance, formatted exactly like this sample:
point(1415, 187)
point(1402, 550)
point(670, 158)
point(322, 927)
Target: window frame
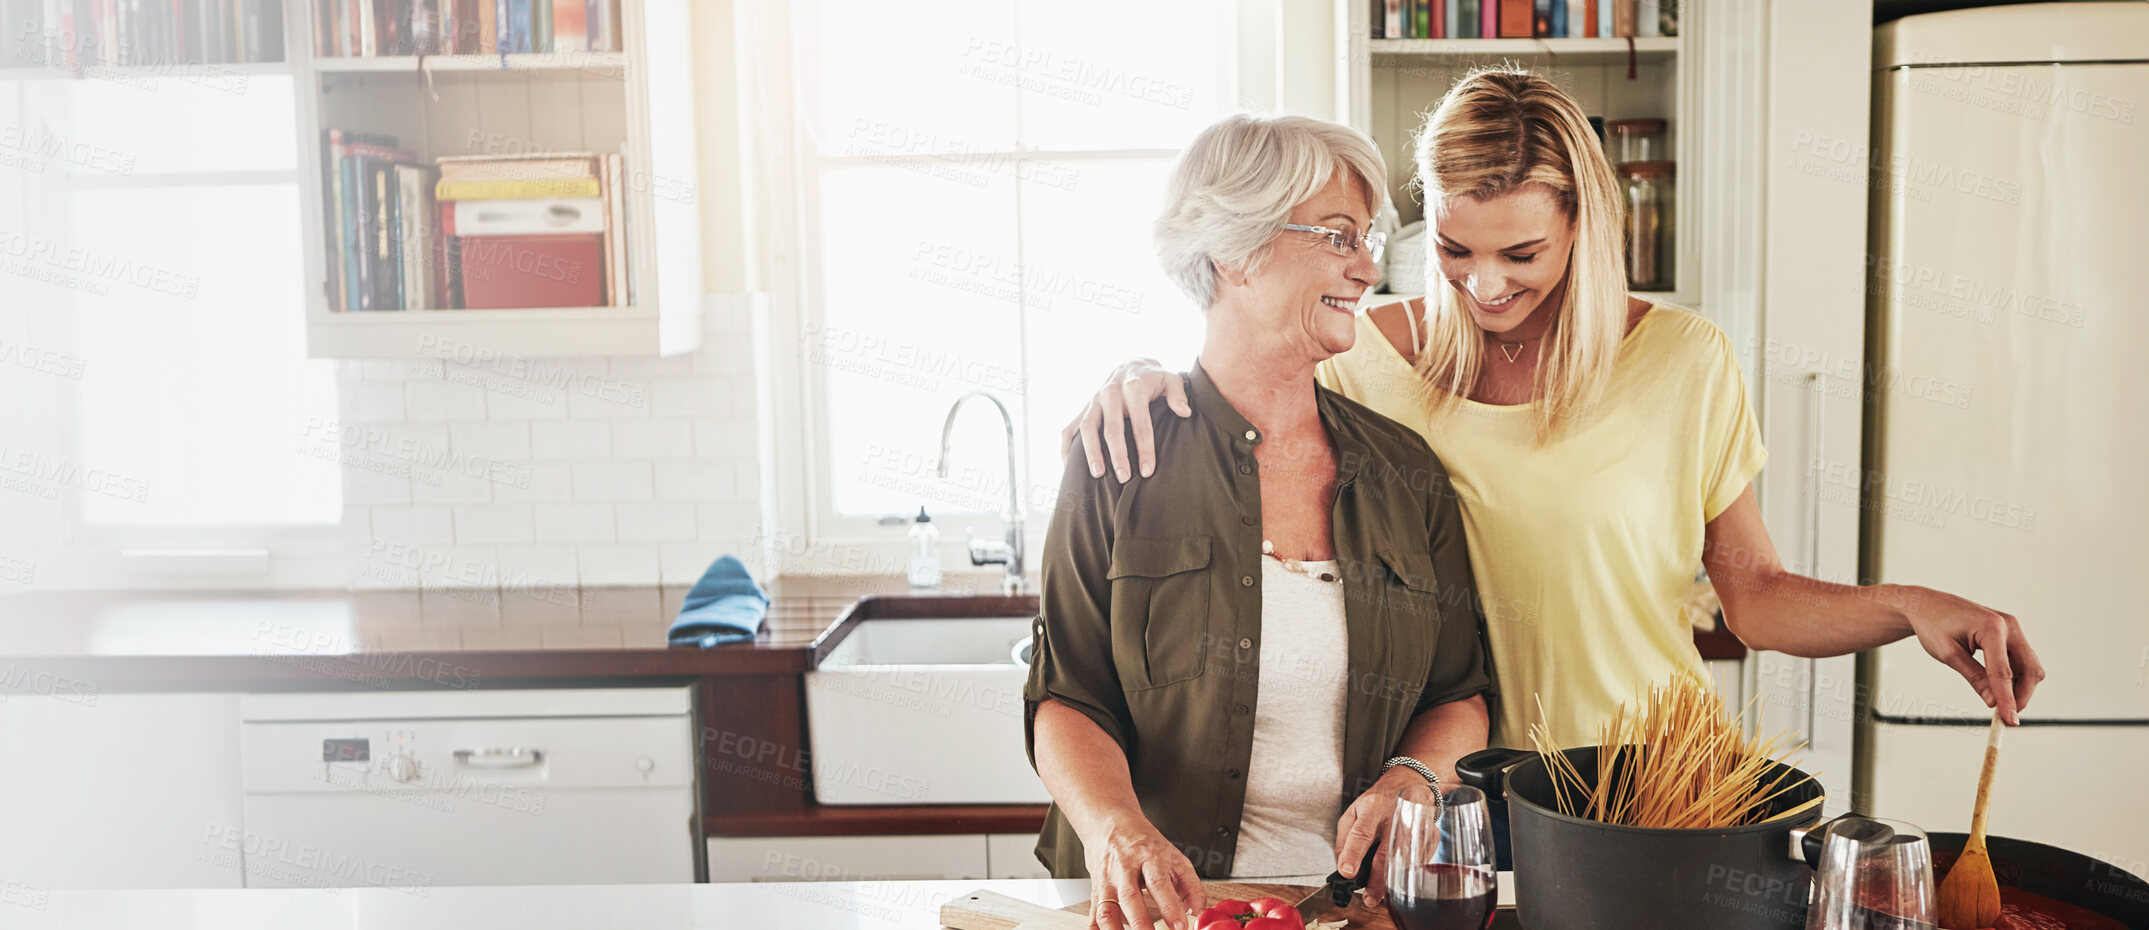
point(90, 554)
point(801, 532)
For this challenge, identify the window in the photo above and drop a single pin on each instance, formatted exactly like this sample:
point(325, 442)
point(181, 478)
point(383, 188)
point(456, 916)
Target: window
point(159, 255)
point(979, 184)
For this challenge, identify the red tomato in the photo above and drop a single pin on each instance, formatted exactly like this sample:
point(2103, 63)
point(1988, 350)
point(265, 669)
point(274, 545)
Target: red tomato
point(1217, 917)
point(1274, 923)
point(1232, 906)
point(1274, 907)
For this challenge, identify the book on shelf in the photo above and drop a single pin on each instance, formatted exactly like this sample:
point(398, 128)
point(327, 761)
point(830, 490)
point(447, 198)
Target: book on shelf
point(379, 224)
point(472, 232)
point(1534, 19)
point(513, 190)
point(145, 34)
point(368, 28)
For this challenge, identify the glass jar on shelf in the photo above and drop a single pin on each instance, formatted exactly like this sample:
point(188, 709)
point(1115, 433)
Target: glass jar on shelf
point(1647, 188)
point(1632, 140)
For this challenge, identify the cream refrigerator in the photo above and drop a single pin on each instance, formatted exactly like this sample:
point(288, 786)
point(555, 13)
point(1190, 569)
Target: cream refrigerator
point(2007, 432)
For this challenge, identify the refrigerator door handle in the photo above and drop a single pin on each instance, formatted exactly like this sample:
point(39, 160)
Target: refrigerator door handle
point(1817, 444)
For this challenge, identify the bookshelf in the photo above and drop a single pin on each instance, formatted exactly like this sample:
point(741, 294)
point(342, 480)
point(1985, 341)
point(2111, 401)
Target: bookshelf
point(637, 101)
point(1386, 86)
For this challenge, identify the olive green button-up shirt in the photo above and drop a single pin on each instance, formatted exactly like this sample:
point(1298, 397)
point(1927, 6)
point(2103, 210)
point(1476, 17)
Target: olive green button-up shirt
point(1149, 622)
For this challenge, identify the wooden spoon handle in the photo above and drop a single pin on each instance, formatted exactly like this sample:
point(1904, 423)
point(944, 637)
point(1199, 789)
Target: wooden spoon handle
point(1984, 782)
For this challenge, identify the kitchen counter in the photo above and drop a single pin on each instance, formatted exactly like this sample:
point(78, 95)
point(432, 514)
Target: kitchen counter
point(776, 905)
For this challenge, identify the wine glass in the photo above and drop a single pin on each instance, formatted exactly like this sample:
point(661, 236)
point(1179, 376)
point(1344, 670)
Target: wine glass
point(1873, 875)
point(1441, 874)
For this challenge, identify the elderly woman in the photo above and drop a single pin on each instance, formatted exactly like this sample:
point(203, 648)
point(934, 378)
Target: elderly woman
point(1243, 657)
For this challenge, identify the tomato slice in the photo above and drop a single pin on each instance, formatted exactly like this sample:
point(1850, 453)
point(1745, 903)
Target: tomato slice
point(1273, 907)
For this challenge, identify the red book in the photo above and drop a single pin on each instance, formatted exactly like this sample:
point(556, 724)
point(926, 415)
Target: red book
point(510, 272)
point(1589, 17)
point(1518, 18)
point(1438, 27)
point(1489, 15)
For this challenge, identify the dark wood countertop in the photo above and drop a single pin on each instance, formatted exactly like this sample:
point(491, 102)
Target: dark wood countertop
point(177, 640)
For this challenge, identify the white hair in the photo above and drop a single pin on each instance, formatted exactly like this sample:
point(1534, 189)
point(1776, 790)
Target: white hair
point(1237, 183)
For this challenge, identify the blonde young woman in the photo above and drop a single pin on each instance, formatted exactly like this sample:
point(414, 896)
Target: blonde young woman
point(1600, 445)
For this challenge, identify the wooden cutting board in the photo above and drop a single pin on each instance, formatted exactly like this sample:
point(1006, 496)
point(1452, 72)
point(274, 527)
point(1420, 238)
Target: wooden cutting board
point(985, 910)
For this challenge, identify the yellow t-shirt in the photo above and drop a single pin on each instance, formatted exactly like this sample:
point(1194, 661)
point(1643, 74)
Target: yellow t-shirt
point(1583, 547)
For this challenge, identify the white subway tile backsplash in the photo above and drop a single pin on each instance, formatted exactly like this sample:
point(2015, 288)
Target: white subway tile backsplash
point(653, 439)
point(428, 399)
point(420, 525)
point(500, 442)
point(541, 475)
point(443, 486)
point(571, 439)
point(367, 483)
point(725, 439)
point(458, 567)
point(646, 367)
point(536, 481)
point(683, 563)
point(612, 481)
point(494, 523)
point(733, 353)
point(619, 563)
point(655, 521)
point(574, 523)
point(370, 403)
point(698, 397)
point(538, 571)
point(609, 400)
point(399, 369)
point(691, 479)
point(508, 399)
point(727, 519)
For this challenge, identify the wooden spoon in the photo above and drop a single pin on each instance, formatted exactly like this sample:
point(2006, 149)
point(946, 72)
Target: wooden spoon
point(1970, 896)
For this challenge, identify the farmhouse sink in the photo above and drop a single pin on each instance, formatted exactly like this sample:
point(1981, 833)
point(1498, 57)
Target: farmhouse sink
point(918, 700)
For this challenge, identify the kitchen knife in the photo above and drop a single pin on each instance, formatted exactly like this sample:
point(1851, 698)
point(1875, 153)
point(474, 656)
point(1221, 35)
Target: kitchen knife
point(1336, 895)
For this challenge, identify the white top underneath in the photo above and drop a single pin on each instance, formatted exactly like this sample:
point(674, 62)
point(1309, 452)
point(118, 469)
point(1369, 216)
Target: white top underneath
point(1294, 783)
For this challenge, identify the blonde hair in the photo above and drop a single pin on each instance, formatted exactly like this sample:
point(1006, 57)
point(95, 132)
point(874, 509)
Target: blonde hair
point(1496, 132)
point(1237, 183)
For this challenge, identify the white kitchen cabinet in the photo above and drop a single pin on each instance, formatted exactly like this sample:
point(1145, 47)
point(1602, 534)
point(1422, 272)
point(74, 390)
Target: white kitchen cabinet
point(1014, 855)
point(847, 858)
point(118, 790)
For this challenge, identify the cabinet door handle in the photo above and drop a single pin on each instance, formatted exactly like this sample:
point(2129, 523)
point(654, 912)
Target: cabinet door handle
point(495, 758)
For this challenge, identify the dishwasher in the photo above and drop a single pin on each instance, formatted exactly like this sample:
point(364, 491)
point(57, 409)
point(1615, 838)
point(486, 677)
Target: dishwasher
point(414, 789)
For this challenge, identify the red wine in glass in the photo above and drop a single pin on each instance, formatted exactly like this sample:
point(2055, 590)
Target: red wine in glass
point(1462, 898)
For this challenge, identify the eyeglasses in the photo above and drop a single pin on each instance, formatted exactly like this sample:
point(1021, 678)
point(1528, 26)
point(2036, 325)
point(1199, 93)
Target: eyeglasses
point(1342, 244)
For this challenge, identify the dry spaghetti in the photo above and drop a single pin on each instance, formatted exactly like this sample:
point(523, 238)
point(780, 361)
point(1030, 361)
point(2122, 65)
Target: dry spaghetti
point(1678, 762)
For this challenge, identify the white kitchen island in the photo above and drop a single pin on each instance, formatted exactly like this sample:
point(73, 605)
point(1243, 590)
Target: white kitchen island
point(763, 906)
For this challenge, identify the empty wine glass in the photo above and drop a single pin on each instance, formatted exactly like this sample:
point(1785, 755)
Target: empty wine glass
point(1441, 874)
point(1873, 875)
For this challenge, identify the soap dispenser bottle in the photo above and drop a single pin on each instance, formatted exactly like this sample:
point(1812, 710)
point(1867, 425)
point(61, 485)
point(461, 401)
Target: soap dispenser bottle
point(924, 552)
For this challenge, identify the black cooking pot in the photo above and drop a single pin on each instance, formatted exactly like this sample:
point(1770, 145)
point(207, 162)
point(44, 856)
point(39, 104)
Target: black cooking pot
point(2055, 873)
point(1577, 874)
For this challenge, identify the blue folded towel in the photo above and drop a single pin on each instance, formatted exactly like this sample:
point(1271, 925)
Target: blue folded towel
point(725, 606)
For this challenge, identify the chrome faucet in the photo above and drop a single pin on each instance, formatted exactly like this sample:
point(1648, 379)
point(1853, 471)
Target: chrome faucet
point(1009, 551)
